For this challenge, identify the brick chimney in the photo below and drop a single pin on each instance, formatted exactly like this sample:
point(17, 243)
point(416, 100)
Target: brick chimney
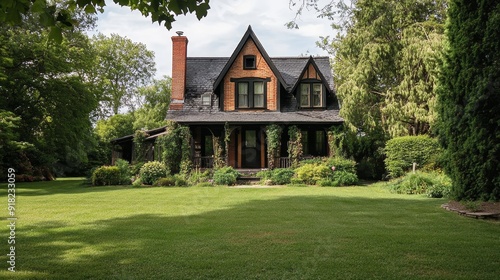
point(179, 54)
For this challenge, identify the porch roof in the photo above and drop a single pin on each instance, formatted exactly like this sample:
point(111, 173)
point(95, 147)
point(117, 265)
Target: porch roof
point(301, 117)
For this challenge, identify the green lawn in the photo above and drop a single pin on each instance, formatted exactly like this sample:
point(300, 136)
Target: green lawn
point(66, 230)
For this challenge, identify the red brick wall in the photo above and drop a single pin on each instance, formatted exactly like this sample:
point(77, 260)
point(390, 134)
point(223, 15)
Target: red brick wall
point(263, 71)
point(179, 54)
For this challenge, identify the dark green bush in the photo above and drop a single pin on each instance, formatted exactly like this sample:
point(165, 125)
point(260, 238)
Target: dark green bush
point(152, 171)
point(136, 168)
point(279, 176)
point(282, 176)
point(344, 178)
point(180, 181)
point(226, 176)
point(106, 175)
point(402, 152)
point(341, 164)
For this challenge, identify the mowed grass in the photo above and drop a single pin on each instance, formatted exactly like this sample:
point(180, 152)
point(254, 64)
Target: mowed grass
point(66, 230)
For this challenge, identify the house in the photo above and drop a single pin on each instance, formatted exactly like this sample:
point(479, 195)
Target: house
point(237, 97)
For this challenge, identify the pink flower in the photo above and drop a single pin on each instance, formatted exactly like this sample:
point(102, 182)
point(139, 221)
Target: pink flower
point(333, 168)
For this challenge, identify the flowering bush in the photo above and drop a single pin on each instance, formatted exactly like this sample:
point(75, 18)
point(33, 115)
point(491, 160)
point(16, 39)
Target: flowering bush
point(152, 171)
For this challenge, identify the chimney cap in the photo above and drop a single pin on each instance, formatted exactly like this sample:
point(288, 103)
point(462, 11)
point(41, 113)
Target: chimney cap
point(179, 33)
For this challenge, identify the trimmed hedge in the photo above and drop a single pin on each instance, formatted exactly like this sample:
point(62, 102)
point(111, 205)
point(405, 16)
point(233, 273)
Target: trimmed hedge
point(402, 152)
point(106, 175)
point(278, 176)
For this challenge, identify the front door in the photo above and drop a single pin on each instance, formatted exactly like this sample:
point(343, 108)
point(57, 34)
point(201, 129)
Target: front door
point(250, 153)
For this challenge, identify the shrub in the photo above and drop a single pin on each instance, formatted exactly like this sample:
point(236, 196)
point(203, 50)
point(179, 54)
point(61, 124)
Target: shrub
point(344, 178)
point(279, 176)
point(341, 164)
point(226, 176)
point(152, 171)
point(136, 168)
point(309, 173)
point(402, 152)
point(326, 183)
point(165, 182)
point(433, 184)
point(137, 182)
point(204, 184)
point(180, 181)
point(106, 175)
point(124, 168)
point(199, 177)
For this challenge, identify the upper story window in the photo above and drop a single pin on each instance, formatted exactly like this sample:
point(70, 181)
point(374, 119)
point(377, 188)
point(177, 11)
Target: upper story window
point(206, 99)
point(311, 95)
point(249, 62)
point(251, 94)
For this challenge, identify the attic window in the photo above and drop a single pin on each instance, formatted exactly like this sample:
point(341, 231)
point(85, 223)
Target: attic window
point(249, 62)
point(206, 99)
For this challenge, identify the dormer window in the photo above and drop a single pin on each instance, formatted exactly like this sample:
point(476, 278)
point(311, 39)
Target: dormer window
point(251, 93)
point(206, 99)
point(311, 95)
point(249, 62)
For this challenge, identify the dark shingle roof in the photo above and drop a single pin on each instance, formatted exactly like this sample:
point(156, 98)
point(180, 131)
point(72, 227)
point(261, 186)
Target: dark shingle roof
point(194, 117)
point(201, 73)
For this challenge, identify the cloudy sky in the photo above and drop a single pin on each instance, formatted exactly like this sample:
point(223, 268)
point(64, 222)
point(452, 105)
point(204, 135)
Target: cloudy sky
point(219, 33)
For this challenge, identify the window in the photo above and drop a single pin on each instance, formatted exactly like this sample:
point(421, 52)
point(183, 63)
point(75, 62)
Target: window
point(320, 143)
point(251, 93)
point(311, 95)
point(249, 62)
point(243, 95)
point(209, 145)
point(206, 99)
point(258, 94)
point(305, 142)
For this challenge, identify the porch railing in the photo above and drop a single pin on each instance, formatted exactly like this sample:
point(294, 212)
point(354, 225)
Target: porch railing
point(203, 162)
point(286, 162)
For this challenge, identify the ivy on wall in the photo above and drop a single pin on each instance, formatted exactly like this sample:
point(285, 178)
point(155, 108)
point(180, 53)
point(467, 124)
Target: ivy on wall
point(140, 146)
point(295, 145)
point(273, 133)
point(218, 153)
point(186, 164)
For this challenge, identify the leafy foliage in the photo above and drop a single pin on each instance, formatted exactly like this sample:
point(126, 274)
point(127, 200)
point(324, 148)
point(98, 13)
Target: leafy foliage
point(402, 152)
point(140, 146)
point(151, 171)
point(310, 173)
point(226, 176)
point(122, 66)
point(60, 15)
point(433, 184)
point(46, 85)
point(124, 168)
point(278, 176)
point(106, 175)
point(469, 101)
point(273, 138)
point(387, 55)
point(154, 101)
point(295, 149)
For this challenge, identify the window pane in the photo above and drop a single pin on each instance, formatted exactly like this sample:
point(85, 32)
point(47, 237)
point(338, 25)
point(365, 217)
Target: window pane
point(304, 95)
point(250, 139)
point(320, 143)
point(317, 95)
point(242, 94)
point(205, 99)
point(258, 94)
point(209, 145)
point(305, 142)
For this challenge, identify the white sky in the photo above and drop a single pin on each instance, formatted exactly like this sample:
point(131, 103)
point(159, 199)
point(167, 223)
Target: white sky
point(219, 33)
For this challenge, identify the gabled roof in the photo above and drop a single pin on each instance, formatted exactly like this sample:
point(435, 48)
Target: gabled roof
point(320, 73)
point(293, 68)
point(249, 34)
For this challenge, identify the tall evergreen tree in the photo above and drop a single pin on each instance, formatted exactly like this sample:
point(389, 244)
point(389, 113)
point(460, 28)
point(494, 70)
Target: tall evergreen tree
point(469, 100)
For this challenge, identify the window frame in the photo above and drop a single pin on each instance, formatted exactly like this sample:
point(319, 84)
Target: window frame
point(246, 58)
point(207, 95)
point(251, 92)
point(310, 95)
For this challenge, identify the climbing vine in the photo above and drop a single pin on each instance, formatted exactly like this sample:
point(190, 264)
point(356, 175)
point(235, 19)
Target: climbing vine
point(273, 136)
point(218, 158)
point(186, 164)
point(140, 146)
point(227, 138)
point(170, 145)
point(295, 145)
